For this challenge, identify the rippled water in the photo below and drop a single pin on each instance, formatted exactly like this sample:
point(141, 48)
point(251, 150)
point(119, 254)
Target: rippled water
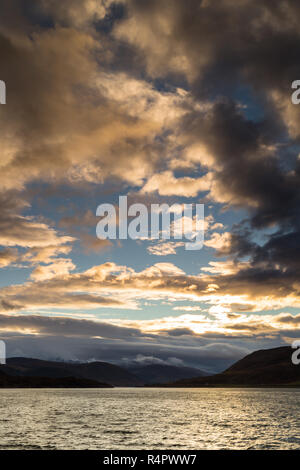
point(124, 418)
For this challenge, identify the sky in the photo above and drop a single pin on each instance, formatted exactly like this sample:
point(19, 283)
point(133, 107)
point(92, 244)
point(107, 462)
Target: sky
point(162, 102)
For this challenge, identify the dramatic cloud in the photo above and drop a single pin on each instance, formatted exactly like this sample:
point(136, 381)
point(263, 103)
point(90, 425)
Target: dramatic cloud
point(163, 101)
point(109, 285)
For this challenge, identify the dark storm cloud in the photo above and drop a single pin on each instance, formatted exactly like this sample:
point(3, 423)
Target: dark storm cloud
point(250, 172)
point(289, 319)
point(221, 47)
point(210, 354)
point(179, 332)
point(251, 43)
point(223, 41)
point(69, 326)
point(214, 356)
point(82, 339)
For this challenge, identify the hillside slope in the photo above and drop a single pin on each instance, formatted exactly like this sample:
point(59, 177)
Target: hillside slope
point(161, 373)
point(267, 367)
point(96, 371)
point(9, 381)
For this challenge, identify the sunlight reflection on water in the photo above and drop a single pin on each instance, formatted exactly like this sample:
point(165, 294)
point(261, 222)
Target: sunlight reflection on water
point(125, 418)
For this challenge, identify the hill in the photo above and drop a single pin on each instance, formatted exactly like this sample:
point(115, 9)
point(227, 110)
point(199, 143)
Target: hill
point(266, 367)
point(9, 381)
point(95, 371)
point(161, 373)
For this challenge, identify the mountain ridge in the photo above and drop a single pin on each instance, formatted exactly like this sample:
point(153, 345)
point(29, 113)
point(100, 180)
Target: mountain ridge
point(262, 368)
point(13, 381)
point(101, 372)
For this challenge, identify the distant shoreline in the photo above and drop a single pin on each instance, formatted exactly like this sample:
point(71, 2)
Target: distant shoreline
point(147, 387)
